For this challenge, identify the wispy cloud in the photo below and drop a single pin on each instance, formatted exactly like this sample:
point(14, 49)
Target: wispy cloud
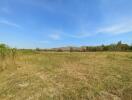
point(117, 29)
point(6, 22)
point(55, 36)
point(113, 29)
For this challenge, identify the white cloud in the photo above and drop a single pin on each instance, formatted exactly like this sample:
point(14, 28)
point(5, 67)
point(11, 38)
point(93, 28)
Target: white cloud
point(6, 22)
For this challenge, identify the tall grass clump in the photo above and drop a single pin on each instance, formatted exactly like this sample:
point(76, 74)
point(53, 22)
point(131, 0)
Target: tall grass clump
point(7, 55)
point(3, 54)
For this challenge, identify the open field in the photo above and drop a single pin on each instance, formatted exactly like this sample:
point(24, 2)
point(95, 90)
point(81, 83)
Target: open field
point(67, 76)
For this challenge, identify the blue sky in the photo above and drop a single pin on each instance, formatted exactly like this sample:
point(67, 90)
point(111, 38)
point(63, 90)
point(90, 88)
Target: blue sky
point(56, 23)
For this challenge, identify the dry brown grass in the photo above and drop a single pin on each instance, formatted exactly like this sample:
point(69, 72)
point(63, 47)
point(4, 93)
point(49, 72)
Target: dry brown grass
point(68, 76)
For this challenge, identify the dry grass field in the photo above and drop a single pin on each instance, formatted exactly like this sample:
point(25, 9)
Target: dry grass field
point(67, 76)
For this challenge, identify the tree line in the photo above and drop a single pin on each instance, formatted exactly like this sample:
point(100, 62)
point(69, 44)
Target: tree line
point(119, 46)
point(112, 47)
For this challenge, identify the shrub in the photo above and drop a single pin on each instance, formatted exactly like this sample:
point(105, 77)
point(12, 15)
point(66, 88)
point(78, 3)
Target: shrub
point(7, 55)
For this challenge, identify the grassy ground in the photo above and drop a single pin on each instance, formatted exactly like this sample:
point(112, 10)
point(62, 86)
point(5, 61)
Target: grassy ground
point(68, 76)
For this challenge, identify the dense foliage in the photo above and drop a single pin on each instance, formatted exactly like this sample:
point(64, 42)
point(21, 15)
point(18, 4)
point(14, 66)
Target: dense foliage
point(7, 53)
point(112, 47)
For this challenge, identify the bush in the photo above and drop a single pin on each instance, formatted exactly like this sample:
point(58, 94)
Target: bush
point(7, 55)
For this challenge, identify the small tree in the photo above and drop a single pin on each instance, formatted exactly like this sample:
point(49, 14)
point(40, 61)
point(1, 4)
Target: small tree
point(71, 49)
point(130, 47)
point(4, 50)
point(13, 53)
